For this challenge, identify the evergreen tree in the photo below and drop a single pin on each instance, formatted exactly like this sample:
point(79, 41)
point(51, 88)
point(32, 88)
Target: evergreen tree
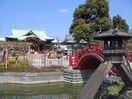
point(90, 18)
point(120, 23)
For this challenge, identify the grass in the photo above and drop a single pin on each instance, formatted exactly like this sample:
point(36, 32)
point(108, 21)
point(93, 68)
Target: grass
point(13, 65)
point(115, 89)
point(24, 67)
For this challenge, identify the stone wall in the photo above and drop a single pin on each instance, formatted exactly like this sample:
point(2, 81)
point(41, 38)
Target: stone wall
point(31, 78)
point(77, 76)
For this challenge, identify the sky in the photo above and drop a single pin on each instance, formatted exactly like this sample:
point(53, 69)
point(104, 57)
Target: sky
point(52, 16)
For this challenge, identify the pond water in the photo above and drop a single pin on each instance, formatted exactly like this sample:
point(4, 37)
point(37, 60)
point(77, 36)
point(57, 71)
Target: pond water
point(40, 91)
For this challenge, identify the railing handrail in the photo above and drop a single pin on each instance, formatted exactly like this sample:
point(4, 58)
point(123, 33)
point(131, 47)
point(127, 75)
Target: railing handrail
point(86, 49)
point(95, 48)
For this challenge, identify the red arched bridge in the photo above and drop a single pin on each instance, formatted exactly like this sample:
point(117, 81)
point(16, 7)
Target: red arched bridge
point(90, 57)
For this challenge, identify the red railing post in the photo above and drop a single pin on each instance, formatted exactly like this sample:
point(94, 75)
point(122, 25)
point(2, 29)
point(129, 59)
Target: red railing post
point(70, 60)
point(77, 57)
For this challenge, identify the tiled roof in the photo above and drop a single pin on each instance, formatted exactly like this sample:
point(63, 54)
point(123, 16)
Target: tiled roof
point(69, 39)
point(20, 34)
point(55, 41)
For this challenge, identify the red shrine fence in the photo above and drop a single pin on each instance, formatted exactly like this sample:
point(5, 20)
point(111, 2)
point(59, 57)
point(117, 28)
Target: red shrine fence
point(129, 55)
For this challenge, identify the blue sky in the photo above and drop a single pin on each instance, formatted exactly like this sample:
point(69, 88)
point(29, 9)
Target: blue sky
point(52, 16)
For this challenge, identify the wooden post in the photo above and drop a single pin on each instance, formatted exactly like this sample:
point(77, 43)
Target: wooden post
point(6, 56)
point(70, 61)
point(38, 48)
point(28, 57)
point(94, 82)
point(125, 73)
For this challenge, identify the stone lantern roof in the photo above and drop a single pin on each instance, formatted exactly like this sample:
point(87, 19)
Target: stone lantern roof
point(113, 34)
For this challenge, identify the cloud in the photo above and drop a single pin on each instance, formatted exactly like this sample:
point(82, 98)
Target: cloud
point(63, 10)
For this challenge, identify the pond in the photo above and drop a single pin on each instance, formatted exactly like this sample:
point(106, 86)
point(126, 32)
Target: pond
point(40, 91)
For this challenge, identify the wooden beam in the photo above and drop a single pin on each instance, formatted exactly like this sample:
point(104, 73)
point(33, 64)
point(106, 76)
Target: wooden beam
point(92, 85)
point(125, 72)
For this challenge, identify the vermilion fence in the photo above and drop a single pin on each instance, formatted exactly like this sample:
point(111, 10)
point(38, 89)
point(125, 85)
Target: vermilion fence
point(95, 48)
point(129, 55)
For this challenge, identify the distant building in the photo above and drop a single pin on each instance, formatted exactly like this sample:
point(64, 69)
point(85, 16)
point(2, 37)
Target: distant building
point(38, 37)
point(69, 40)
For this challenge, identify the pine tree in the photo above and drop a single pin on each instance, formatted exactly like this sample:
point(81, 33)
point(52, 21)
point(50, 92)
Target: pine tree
point(120, 23)
point(90, 18)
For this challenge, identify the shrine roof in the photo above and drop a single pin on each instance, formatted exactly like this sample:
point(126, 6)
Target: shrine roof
point(69, 39)
point(22, 34)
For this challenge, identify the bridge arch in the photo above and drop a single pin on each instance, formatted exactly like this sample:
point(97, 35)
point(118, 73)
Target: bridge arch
point(89, 60)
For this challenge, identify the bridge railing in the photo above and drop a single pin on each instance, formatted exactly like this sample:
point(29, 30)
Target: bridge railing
point(90, 48)
point(86, 49)
point(95, 48)
point(129, 55)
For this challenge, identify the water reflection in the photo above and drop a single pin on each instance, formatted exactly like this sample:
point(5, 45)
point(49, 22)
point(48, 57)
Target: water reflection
point(40, 91)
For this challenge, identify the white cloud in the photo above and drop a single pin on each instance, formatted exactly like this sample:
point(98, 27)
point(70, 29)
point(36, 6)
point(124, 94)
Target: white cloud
point(63, 10)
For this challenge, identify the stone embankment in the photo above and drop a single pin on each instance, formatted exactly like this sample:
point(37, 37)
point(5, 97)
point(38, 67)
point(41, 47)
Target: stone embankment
point(77, 76)
point(31, 78)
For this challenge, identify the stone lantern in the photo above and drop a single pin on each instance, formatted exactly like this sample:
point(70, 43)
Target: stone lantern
point(114, 49)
